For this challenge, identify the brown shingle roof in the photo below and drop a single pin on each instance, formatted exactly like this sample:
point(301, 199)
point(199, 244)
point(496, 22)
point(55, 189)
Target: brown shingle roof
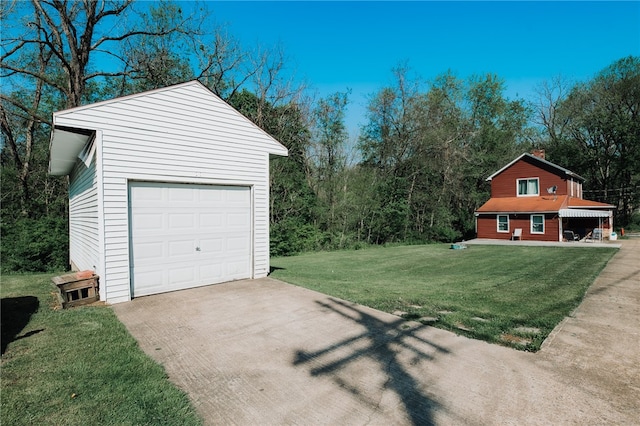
point(539, 204)
point(586, 204)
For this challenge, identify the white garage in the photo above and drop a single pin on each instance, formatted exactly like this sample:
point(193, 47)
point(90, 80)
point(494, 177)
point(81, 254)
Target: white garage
point(168, 190)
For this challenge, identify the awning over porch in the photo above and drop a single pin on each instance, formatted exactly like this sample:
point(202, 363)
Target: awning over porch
point(584, 213)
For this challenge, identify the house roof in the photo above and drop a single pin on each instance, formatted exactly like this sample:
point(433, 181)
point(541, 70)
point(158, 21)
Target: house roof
point(588, 204)
point(67, 143)
point(533, 157)
point(540, 204)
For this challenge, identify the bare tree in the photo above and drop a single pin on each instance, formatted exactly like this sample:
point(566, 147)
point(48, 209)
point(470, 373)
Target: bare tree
point(49, 58)
point(550, 95)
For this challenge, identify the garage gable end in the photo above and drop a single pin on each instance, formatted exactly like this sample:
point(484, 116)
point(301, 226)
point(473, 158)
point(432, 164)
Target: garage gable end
point(188, 104)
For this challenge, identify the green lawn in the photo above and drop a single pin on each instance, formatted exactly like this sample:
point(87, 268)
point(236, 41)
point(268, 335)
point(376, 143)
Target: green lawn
point(513, 296)
point(77, 366)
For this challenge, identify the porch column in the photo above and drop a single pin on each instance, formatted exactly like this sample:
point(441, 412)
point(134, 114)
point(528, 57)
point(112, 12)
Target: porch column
point(560, 228)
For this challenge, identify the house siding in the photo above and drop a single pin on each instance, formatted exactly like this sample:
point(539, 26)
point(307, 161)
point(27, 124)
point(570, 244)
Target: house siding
point(84, 227)
point(505, 184)
point(182, 135)
point(487, 227)
point(574, 188)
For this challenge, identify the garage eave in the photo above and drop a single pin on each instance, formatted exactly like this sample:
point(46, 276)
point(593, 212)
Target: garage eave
point(64, 147)
point(279, 151)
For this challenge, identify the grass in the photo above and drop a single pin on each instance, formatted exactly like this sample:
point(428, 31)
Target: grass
point(77, 366)
point(513, 296)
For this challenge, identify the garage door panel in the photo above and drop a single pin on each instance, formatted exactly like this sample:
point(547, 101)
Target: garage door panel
point(207, 221)
point(182, 221)
point(146, 193)
point(236, 269)
point(237, 245)
point(181, 275)
point(148, 278)
point(188, 235)
point(211, 273)
point(180, 248)
point(239, 219)
point(181, 195)
point(236, 195)
point(150, 250)
point(211, 198)
point(148, 221)
point(212, 245)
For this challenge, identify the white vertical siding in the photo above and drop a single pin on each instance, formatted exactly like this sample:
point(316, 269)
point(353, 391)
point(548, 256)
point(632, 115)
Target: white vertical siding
point(183, 134)
point(83, 216)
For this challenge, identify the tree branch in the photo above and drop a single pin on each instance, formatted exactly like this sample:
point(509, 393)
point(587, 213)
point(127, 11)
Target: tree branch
point(37, 75)
point(28, 111)
point(9, 137)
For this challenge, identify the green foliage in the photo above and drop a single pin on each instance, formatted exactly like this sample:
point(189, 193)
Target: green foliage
point(457, 286)
point(634, 222)
point(431, 151)
point(293, 202)
point(35, 244)
point(595, 132)
point(328, 158)
point(425, 150)
point(292, 236)
point(158, 61)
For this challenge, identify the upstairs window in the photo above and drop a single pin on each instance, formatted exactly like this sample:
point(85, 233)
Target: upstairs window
point(528, 187)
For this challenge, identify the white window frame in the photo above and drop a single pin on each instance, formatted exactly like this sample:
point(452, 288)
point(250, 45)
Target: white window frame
point(527, 179)
point(531, 220)
point(498, 223)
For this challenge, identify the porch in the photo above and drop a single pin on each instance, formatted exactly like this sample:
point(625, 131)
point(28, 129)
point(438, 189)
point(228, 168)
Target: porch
point(586, 224)
point(495, 242)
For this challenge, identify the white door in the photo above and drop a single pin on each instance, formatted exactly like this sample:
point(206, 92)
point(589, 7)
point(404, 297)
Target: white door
point(186, 236)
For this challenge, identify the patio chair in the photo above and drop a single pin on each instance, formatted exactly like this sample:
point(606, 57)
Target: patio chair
point(570, 236)
point(594, 235)
point(517, 233)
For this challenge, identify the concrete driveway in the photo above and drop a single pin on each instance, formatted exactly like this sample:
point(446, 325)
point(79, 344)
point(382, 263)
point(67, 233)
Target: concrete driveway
point(269, 353)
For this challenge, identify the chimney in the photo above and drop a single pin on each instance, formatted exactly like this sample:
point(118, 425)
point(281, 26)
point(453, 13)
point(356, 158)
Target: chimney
point(538, 153)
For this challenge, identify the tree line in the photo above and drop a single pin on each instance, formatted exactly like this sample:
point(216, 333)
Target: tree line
point(415, 173)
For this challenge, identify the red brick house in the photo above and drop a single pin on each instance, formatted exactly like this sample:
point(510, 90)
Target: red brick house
point(534, 199)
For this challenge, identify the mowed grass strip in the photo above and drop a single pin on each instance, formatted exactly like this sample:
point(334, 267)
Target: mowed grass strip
point(78, 366)
point(509, 295)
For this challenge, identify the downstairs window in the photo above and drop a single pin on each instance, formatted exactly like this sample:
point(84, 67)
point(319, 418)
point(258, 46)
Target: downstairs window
point(503, 223)
point(537, 224)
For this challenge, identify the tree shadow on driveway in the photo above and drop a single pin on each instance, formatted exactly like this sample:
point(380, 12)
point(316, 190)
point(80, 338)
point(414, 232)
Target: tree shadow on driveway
point(395, 346)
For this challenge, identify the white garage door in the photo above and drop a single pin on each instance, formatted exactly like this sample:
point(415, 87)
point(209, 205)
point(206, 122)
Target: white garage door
point(186, 236)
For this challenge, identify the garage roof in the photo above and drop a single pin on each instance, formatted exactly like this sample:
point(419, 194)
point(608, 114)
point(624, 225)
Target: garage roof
point(68, 142)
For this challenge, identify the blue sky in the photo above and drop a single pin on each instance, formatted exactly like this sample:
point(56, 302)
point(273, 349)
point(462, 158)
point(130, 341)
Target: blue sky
point(336, 46)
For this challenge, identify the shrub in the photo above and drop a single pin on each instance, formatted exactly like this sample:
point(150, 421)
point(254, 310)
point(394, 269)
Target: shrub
point(294, 236)
point(35, 245)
